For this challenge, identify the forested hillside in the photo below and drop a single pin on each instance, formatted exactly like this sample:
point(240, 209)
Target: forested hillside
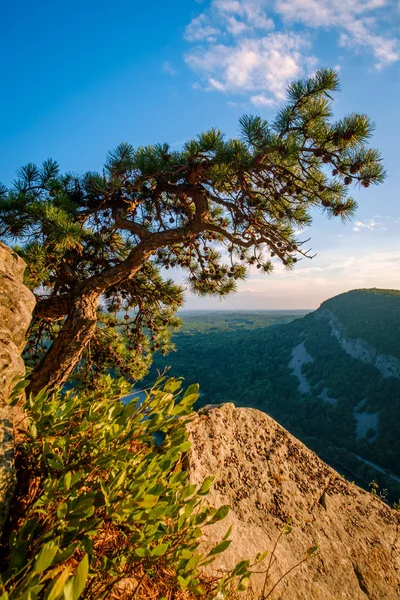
point(372, 315)
point(298, 372)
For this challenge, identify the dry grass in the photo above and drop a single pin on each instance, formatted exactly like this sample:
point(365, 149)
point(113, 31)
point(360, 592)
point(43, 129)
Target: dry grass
point(162, 585)
point(135, 583)
point(144, 587)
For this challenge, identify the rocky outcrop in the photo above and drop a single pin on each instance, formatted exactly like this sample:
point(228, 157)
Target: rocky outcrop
point(389, 366)
point(16, 305)
point(268, 477)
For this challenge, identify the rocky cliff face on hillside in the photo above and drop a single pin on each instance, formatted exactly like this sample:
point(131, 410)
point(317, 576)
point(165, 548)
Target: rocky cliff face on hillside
point(387, 365)
point(267, 477)
point(16, 305)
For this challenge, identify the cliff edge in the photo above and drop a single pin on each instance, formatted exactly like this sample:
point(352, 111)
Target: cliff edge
point(267, 476)
point(16, 305)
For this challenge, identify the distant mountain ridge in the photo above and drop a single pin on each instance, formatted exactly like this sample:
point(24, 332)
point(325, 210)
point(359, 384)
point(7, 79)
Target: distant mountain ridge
point(358, 348)
point(365, 314)
point(332, 378)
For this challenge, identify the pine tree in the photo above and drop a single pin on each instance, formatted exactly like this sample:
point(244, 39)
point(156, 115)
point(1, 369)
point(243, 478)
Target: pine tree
point(98, 245)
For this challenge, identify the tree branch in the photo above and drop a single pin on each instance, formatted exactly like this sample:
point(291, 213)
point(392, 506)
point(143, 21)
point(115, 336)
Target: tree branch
point(52, 309)
point(136, 228)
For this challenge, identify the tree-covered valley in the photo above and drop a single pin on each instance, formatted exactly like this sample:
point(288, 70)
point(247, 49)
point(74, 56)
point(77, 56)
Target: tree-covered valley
point(291, 366)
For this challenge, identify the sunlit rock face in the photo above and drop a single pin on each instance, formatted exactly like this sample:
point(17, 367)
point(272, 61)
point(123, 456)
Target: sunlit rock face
point(16, 305)
point(268, 477)
point(389, 366)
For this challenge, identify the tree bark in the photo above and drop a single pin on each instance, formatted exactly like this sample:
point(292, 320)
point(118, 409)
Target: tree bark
point(66, 350)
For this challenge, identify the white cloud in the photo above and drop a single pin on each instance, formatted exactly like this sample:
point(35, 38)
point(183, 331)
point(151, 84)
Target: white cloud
point(168, 68)
point(260, 66)
point(325, 13)
point(370, 224)
point(261, 100)
point(355, 20)
point(200, 29)
point(234, 17)
point(236, 27)
point(237, 50)
point(252, 12)
point(386, 50)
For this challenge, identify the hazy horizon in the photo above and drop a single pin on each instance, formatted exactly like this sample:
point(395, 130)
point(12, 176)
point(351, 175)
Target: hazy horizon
point(244, 310)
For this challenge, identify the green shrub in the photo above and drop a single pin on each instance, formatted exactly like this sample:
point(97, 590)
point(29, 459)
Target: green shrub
point(104, 502)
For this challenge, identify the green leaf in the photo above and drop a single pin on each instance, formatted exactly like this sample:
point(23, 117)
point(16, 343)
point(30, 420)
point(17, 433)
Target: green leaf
point(119, 480)
point(244, 582)
point(62, 510)
point(55, 462)
point(45, 557)
point(142, 552)
point(183, 582)
point(262, 556)
point(188, 491)
point(312, 550)
point(58, 587)
point(221, 513)
point(241, 567)
point(84, 506)
point(192, 389)
point(206, 486)
point(172, 385)
point(199, 590)
point(221, 547)
point(160, 550)
point(67, 481)
point(33, 430)
point(148, 501)
point(76, 584)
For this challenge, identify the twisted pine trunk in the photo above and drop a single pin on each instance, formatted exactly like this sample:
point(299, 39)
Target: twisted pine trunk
point(66, 350)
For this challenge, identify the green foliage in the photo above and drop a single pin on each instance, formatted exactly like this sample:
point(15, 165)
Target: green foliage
point(366, 314)
point(104, 501)
point(213, 209)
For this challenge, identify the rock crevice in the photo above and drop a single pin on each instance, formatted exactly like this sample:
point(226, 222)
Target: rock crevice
point(16, 306)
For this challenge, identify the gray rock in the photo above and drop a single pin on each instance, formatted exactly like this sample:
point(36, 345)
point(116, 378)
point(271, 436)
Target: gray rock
point(16, 305)
point(267, 476)
point(389, 366)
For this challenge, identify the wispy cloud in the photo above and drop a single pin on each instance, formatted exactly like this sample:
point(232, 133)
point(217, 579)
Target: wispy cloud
point(259, 66)
point(168, 68)
point(370, 224)
point(201, 29)
point(241, 54)
point(238, 49)
point(357, 22)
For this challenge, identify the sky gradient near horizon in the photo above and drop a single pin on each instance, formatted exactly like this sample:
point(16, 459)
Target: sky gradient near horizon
point(80, 77)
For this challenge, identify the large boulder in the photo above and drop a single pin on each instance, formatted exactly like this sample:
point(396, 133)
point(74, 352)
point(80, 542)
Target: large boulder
point(16, 305)
point(267, 477)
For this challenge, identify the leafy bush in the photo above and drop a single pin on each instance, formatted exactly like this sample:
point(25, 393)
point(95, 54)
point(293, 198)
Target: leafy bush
point(99, 501)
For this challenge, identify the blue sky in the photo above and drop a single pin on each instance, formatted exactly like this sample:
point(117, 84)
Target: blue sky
point(80, 77)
